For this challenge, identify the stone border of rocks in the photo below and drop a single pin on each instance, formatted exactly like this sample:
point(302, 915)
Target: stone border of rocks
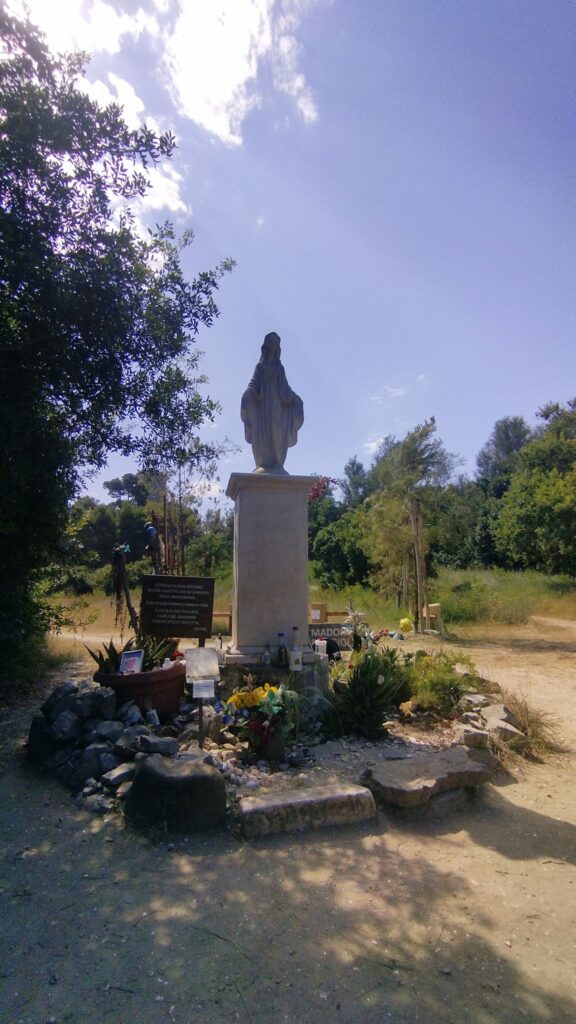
point(484, 722)
point(111, 758)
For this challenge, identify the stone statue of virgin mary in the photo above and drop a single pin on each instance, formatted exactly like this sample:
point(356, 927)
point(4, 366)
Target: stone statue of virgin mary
point(271, 412)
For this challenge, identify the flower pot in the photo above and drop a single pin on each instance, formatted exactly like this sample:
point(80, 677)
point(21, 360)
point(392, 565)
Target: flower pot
point(271, 747)
point(161, 687)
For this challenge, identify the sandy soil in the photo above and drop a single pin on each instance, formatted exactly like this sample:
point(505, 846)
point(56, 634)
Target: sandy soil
point(469, 917)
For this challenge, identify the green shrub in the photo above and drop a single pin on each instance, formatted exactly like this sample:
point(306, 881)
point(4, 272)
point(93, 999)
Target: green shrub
point(436, 684)
point(102, 578)
point(375, 686)
point(71, 581)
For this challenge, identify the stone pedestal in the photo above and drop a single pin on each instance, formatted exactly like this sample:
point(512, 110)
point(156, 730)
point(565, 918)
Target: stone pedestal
point(270, 561)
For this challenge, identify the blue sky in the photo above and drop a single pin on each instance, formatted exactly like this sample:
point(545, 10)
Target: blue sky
point(395, 179)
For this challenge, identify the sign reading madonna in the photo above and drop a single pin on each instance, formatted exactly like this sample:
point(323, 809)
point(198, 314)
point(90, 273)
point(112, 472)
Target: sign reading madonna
point(179, 606)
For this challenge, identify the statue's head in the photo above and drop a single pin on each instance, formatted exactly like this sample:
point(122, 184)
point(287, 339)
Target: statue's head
point(271, 346)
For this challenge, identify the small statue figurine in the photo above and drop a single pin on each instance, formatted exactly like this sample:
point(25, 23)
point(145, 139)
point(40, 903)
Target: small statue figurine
point(155, 546)
point(271, 412)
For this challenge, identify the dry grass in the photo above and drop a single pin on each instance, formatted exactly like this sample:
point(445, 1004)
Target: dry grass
point(540, 728)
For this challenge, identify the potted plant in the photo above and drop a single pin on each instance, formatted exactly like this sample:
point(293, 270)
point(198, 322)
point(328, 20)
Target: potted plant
point(153, 684)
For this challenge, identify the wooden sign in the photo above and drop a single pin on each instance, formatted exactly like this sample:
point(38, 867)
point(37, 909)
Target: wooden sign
point(179, 606)
point(331, 631)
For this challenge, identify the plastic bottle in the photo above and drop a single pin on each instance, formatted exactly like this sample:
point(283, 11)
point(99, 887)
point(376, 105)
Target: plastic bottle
point(267, 656)
point(282, 651)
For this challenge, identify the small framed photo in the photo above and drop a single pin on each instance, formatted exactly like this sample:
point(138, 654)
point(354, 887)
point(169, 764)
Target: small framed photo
point(131, 661)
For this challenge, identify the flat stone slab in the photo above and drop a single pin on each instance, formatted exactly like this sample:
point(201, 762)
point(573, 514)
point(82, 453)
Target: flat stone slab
point(412, 783)
point(298, 809)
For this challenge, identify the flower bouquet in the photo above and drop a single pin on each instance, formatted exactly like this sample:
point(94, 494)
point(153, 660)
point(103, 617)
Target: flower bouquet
point(261, 714)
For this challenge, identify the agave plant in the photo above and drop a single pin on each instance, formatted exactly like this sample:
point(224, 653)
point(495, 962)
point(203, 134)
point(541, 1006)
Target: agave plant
point(155, 651)
point(376, 686)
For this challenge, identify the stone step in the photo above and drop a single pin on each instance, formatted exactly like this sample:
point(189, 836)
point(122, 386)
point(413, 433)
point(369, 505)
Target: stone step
point(294, 810)
point(414, 782)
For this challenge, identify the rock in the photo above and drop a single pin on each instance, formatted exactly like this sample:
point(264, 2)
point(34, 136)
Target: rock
point(175, 795)
point(122, 773)
point(332, 748)
point(228, 755)
point(92, 763)
point(413, 782)
point(90, 787)
point(213, 761)
point(61, 756)
point(390, 753)
point(108, 761)
point(109, 730)
point(127, 745)
point(66, 770)
point(190, 755)
point(472, 718)
point(41, 743)
point(86, 702)
point(441, 805)
point(469, 701)
point(98, 804)
point(104, 703)
point(230, 738)
point(166, 745)
point(470, 736)
point(81, 703)
point(497, 713)
point(298, 809)
point(59, 693)
point(66, 728)
point(123, 790)
point(130, 714)
point(508, 734)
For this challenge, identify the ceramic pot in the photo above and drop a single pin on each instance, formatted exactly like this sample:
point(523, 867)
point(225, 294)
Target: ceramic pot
point(161, 687)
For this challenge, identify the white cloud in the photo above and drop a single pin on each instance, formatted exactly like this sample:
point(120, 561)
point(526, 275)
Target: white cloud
point(212, 56)
point(118, 91)
point(260, 222)
point(389, 393)
point(90, 25)
point(210, 52)
point(284, 59)
point(165, 193)
point(166, 183)
point(373, 443)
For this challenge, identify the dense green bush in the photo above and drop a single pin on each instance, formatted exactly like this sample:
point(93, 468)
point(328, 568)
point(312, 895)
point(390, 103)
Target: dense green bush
point(102, 578)
point(375, 686)
point(375, 683)
point(436, 684)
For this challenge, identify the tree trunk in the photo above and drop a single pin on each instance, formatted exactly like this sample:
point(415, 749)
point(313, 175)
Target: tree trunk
point(420, 567)
point(423, 573)
point(405, 574)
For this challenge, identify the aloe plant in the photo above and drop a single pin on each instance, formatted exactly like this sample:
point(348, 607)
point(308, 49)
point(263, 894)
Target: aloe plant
point(376, 686)
point(155, 651)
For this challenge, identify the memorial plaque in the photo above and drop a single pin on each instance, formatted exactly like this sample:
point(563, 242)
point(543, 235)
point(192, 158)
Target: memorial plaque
point(179, 606)
point(342, 635)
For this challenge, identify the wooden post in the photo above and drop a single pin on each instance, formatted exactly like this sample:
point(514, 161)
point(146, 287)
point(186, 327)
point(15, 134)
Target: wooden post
point(201, 723)
point(131, 609)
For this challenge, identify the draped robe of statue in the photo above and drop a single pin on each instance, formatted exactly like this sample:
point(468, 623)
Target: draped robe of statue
point(271, 412)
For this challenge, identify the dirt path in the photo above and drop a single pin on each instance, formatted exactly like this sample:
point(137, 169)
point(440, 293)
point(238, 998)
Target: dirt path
point(466, 918)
